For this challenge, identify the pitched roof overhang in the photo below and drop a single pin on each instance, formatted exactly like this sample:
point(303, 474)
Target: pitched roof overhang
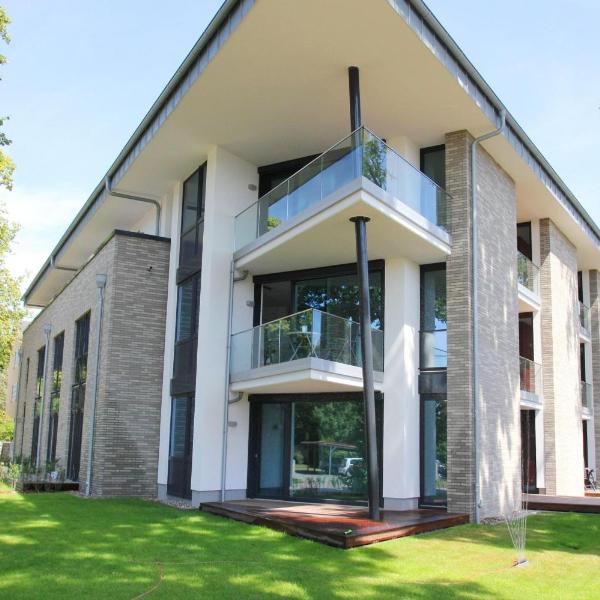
point(264, 71)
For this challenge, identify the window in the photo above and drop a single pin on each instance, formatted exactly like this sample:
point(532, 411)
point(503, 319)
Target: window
point(57, 363)
point(524, 245)
point(433, 164)
point(183, 381)
point(192, 223)
point(37, 402)
point(186, 335)
point(82, 334)
point(434, 334)
point(434, 453)
point(333, 290)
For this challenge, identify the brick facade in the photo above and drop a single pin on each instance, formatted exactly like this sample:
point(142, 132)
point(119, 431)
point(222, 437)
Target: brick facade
point(499, 447)
point(563, 456)
point(130, 368)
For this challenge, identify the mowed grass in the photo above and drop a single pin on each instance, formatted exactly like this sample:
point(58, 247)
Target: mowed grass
point(62, 546)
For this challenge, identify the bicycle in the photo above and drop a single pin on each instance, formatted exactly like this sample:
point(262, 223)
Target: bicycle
point(590, 480)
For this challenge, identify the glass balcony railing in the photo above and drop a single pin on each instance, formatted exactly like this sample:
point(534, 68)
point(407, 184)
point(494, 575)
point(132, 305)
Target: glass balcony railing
point(434, 349)
point(587, 400)
point(584, 316)
point(307, 334)
point(531, 376)
point(362, 154)
point(528, 274)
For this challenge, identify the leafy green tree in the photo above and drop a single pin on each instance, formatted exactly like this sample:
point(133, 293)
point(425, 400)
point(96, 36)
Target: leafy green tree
point(7, 166)
point(11, 311)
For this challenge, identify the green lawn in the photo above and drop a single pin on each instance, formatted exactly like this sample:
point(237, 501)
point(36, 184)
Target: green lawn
point(4, 486)
point(61, 546)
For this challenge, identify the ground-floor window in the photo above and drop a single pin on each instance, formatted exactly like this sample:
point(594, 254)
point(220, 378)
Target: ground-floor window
point(180, 447)
point(434, 450)
point(528, 452)
point(309, 447)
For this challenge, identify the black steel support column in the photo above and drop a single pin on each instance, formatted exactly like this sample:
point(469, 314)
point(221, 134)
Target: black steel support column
point(362, 259)
point(354, 88)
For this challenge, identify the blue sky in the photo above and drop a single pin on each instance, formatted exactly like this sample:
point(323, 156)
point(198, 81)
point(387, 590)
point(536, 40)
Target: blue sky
point(82, 74)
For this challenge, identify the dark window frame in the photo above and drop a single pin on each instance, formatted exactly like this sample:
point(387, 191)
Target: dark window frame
point(423, 152)
point(78, 391)
point(191, 265)
point(54, 408)
point(426, 269)
point(37, 401)
point(316, 273)
point(254, 436)
point(425, 501)
point(525, 246)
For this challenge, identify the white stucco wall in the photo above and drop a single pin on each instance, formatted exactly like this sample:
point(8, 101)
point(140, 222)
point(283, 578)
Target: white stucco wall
point(401, 403)
point(174, 214)
point(227, 193)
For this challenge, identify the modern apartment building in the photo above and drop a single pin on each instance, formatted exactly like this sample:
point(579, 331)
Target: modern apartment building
point(221, 355)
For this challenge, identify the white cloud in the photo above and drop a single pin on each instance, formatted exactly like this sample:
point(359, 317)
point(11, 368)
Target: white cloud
point(43, 217)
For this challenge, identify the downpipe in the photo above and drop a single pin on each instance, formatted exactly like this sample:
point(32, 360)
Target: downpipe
point(475, 303)
point(101, 283)
point(111, 192)
point(232, 280)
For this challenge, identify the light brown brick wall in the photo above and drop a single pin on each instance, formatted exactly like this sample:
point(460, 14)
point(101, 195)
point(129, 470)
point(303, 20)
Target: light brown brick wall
point(563, 442)
point(130, 369)
point(498, 335)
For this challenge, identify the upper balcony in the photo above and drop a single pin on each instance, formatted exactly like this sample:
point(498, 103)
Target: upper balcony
point(528, 279)
point(310, 351)
point(303, 222)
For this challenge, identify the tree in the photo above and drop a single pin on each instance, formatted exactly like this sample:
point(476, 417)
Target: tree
point(7, 166)
point(11, 311)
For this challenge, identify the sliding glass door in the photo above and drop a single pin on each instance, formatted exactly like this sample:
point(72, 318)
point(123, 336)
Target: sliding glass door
point(309, 447)
point(434, 452)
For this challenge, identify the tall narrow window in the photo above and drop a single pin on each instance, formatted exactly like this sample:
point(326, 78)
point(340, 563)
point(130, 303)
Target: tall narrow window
point(434, 360)
point(433, 164)
point(183, 381)
point(37, 402)
point(82, 334)
point(59, 342)
point(434, 332)
point(524, 243)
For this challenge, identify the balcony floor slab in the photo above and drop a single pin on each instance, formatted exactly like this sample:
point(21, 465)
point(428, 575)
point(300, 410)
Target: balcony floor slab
point(305, 375)
point(322, 235)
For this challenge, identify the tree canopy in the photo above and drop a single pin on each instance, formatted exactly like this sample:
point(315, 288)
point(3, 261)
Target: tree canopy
point(11, 311)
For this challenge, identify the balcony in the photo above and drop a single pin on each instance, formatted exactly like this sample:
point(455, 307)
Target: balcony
point(310, 351)
point(584, 320)
point(528, 279)
point(587, 399)
point(359, 175)
point(531, 380)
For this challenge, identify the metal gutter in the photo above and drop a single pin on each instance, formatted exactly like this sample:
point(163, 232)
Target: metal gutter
point(514, 133)
point(142, 131)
